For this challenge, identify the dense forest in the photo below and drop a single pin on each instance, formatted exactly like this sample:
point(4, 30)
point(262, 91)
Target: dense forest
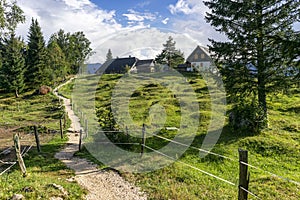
point(31, 64)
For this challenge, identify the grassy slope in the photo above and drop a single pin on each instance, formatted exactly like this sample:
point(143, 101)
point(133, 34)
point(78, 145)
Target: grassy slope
point(275, 150)
point(43, 169)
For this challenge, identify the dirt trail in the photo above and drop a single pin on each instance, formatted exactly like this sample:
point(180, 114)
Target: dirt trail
point(101, 184)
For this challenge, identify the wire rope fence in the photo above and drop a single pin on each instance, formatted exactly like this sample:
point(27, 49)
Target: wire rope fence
point(243, 189)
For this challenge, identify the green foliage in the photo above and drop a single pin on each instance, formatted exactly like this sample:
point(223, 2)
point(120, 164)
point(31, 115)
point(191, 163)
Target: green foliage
point(13, 67)
point(76, 48)
point(170, 55)
point(38, 73)
point(255, 59)
point(56, 61)
point(245, 117)
point(10, 16)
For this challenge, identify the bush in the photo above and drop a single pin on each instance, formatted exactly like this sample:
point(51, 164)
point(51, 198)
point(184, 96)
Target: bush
point(246, 117)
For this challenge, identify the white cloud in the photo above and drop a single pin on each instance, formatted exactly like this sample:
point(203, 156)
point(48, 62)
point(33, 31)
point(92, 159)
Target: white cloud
point(102, 29)
point(188, 7)
point(181, 6)
point(193, 21)
point(69, 15)
point(144, 43)
point(165, 21)
point(137, 16)
point(143, 4)
point(78, 3)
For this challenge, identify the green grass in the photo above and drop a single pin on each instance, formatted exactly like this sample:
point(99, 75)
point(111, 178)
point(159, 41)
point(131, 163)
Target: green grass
point(276, 149)
point(43, 171)
point(30, 109)
point(19, 115)
point(66, 90)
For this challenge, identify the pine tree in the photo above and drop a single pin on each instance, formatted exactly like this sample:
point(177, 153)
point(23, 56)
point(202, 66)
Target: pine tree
point(13, 65)
point(252, 61)
point(170, 55)
point(109, 55)
point(37, 70)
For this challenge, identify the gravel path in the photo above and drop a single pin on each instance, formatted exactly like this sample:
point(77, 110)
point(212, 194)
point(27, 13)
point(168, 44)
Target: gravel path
point(101, 184)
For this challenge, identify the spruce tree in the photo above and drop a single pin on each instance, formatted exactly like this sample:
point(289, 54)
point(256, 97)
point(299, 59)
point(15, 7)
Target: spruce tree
point(252, 60)
point(13, 65)
point(109, 55)
point(37, 70)
point(170, 55)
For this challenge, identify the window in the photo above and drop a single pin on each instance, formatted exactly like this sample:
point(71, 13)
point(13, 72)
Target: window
point(196, 56)
point(202, 55)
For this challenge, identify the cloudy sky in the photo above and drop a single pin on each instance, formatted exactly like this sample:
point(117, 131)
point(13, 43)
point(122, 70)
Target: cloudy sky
point(128, 27)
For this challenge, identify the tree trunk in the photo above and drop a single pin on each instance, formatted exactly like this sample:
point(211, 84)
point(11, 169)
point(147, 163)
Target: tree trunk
point(261, 67)
point(262, 102)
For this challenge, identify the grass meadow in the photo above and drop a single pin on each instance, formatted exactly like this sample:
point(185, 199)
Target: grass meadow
point(276, 150)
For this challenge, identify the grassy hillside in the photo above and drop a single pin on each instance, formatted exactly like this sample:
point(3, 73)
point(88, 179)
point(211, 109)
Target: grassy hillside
point(275, 150)
point(18, 116)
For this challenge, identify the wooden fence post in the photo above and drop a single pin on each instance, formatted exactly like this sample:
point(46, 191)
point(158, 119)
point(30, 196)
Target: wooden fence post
point(86, 128)
point(37, 140)
point(65, 120)
point(243, 176)
point(143, 140)
point(18, 154)
point(127, 133)
point(80, 139)
point(61, 129)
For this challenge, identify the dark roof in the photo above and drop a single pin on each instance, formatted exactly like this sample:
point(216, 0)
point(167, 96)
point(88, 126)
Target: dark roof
point(104, 66)
point(144, 62)
point(118, 65)
point(200, 54)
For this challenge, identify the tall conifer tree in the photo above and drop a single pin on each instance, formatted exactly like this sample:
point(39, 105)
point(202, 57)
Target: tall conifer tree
point(37, 70)
point(13, 65)
point(109, 55)
point(252, 61)
point(170, 55)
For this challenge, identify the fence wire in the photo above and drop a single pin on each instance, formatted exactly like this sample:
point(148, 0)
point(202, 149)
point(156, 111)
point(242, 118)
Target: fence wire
point(24, 152)
point(196, 148)
point(207, 173)
point(275, 175)
point(251, 193)
point(228, 158)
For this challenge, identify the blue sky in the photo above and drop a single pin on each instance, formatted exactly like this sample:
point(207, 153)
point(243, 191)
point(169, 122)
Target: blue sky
point(159, 8)
point(156, 13)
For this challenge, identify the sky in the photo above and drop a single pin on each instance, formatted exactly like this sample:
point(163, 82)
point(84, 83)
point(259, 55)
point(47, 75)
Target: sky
point(127, 27)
